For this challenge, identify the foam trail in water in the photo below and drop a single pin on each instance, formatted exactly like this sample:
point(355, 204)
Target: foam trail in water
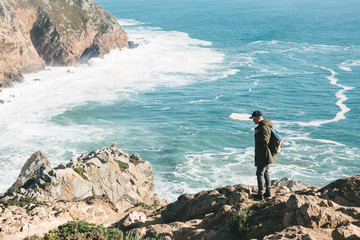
point(314, 139)
point(340, 94)
point(346, 65)
point(342, 98)
point(204, 100)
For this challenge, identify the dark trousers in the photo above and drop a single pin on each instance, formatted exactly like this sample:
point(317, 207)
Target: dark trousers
point(261, 173)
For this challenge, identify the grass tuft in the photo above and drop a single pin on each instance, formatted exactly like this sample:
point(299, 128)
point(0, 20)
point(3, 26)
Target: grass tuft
point(123, 166)
point(22, 202)
point(79, 170)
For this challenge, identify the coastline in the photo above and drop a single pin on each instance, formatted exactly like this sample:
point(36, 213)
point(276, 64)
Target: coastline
point(35, 34)
point(293, 208)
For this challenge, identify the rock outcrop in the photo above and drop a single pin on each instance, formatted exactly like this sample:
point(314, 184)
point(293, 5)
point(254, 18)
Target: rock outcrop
point(313, 213)
point(107, 172)
point(96, 187)
point(63, 32)
point(31, 168)
point(110, 187)
point(18, 222)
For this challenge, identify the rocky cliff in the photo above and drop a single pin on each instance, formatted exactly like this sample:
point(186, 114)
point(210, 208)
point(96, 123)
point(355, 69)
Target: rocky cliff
point(311, 213)
point(107, 172)
point(62, 32)
point(112, 188)
point(96, 187)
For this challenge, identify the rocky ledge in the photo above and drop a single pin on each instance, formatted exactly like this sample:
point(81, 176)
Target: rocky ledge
point(62, 32)
point(114, 189)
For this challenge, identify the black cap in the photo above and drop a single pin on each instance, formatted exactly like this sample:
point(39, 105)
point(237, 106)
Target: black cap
point(256, 114)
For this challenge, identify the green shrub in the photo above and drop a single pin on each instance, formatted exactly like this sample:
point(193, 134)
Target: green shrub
point(258, 205)
point(122, 165)
point(160, 210)
point(33, 237)
point(240, 220)
point(79, 170)
point(22, 202)
point(144, 205)
point(81, 230)
point(11, 190)
point(132, 237)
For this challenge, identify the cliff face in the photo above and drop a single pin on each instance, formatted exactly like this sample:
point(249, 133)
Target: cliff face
point(109, 187)
point(96, 187)
point(62, 32)
point(230, 212)
point(108, 172)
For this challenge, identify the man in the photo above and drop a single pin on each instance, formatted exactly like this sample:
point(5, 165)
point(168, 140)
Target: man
point(263, 155)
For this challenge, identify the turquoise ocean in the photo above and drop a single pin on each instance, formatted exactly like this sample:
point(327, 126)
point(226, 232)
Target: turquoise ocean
point(198, 62)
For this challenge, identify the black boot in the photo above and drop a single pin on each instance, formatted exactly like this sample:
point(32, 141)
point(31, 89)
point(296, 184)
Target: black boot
point(267, 194)
point(258, 196)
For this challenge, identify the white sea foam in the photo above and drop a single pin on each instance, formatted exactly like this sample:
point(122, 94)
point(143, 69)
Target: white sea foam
point(240, 116)
point(314, 139)
point(206, 100)
point(264, 42)
point(339, 94)
point(208, 168)
point(129, 22)
point(346, 65)
point(164, 58)
point(340, 103)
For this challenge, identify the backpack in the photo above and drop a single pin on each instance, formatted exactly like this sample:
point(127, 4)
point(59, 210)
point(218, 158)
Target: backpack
point(276, 141)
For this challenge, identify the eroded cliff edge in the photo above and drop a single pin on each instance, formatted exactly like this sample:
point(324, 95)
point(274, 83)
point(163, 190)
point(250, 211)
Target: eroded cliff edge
point(115, 189)
point(35, 33)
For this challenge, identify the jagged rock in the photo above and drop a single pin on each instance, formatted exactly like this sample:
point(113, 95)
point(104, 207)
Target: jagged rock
point(132, 219)
point(122, 182)
point(223, 213)
point(348, 232)
point(32, 168)
point(61, 166)
point(62, 32)
point(190, 206)
point(345, 191)
point(133, 45)
point(292, 185)
point(300, 233)
point(19, 222)
point(297, 201)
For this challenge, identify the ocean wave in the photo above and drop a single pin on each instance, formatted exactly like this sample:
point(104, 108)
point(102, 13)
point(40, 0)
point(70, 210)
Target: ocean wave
point(206, 170)
point(129, 22)
point(31, 110)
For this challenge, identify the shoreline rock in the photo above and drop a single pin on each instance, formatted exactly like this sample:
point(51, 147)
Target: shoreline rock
point(38, 202)
point(65, 32)
point(231, 213)
point(107, 172)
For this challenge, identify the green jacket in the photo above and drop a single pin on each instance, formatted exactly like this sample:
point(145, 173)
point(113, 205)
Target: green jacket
point(263, 155)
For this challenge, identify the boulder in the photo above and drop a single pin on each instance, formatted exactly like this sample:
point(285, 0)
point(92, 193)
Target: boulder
point(132, 219)
point(348, 232)
point(292, 185)
point(190, 206)
point(124, 183)
point(300, 233)
point(345, 191)
point(32, 168)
